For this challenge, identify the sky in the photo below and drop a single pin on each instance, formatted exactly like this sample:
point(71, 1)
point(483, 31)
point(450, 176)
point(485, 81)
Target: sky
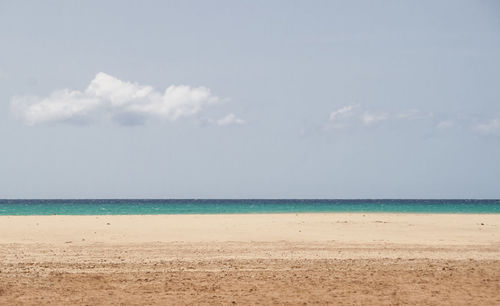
point(249, 99)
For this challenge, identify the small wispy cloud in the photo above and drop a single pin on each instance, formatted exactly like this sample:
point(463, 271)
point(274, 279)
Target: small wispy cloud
point(341, 117)
point(341, 112)
point(107, 97)
point(445, 124)
point(370, 118)
point(491, 126)
point(356, 117)
point(352, 115)
point(230, 119)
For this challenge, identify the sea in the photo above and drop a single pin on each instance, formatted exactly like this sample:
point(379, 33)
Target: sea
point(242, 206)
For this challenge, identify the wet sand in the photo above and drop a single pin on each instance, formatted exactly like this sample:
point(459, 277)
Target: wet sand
point(251, 259)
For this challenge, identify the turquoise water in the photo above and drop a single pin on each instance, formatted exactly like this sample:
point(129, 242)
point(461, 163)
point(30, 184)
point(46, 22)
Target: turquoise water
point(156, 207)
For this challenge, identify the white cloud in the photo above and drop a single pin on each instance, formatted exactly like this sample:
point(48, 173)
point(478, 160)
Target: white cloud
point(371, 118)
point(229, 120)
point(491, 126)
point(109, 97)
point(115, 91)
point(61, 105)
point(341, 112)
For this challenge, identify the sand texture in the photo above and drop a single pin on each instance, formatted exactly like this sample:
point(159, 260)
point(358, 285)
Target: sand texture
point(361, 259)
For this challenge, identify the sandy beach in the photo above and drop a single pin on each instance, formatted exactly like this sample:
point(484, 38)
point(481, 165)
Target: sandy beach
point(251, 259)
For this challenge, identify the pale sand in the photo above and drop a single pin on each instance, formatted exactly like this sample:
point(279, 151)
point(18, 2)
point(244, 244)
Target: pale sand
point(261, 258)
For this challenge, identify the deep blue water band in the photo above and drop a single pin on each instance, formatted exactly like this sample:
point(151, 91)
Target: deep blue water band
point(224, 206)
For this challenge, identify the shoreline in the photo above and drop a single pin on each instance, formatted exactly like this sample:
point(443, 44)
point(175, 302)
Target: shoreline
point(396, 228)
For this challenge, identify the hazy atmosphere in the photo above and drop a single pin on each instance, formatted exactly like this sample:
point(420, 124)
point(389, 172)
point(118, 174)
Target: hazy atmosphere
point(249, 99)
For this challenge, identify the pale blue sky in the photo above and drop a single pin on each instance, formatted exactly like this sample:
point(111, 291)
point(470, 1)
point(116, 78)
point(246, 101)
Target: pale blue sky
point(300, 99)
